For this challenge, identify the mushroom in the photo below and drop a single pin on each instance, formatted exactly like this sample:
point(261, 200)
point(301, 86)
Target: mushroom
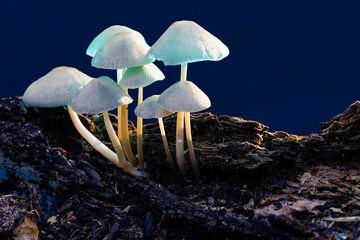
point(182, 43)
point(122, 51)
point(184, 96)
point(140, 77)
point(150, 108)
point(100, 96)
point(57, 88)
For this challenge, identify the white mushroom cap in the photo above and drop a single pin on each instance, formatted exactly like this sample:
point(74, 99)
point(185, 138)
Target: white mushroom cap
point(184, 96)
point(56, 88)
point(150, 108)
point(142, 76)
point(124, 50)
point(100, 95)
point(106, 35)
point(186, 42)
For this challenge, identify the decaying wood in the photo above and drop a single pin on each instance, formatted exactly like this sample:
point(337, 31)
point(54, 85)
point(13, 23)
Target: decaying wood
point(256, 184)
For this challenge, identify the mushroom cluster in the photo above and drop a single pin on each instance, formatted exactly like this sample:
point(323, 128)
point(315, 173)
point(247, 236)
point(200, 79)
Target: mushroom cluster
point(125, 50)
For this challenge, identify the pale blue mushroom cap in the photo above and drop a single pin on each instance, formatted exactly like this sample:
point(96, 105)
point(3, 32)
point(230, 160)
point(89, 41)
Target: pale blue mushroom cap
point(142, 76)
point(150, 108)
point(186, 42)
point(184, 96)
point(106, 35)
point(56, 88)
point(123, 50)
point(100, 95)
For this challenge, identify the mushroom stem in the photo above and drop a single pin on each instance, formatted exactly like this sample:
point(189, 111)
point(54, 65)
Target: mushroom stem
point(125, 134)
point(119, 74)
point(166, 146)
point(118, 148)
point(190, 144)
point(139, 132)
point(180, 158)
point(92, 140)
point(183, 72)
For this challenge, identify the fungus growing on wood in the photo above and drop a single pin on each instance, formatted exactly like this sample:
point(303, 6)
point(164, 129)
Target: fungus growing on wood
point(100, 96)
point(57, 88)
point(185, 97)
point(182, 43)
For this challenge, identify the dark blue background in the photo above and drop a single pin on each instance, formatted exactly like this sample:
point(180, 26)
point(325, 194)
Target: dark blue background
point(292, 64)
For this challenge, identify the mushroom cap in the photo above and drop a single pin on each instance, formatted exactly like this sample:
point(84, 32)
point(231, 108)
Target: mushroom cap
point(56, 88)
point(150, 108)
point(186, 42)
point(142, 76)
point(184, 96)
point(100, 95)
point(106, 35)
point(123, 50)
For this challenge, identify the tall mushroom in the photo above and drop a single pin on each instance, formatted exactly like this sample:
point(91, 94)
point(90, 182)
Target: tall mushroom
point(150, 108)
point(100, 96)
point(123, 50)
point(99, 41)
point(57, 88)
point(140, 77)
point(182, 43)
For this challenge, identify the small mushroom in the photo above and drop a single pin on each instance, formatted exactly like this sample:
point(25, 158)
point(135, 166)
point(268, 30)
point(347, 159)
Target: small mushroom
point(57, 88)
point(140, 77)
point(182, 43)
point(150, 108)
point(99, 96)
point(184, 96)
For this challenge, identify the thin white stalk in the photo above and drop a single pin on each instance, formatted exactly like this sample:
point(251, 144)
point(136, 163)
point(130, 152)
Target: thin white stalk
point(125, 134)
point(119, 74)
point(118, 148)
point(139, 132)
point(119, 124)
point(183, 72)
point(166, 145)
point(190, 144)
point(180, 158)
point(92, 140)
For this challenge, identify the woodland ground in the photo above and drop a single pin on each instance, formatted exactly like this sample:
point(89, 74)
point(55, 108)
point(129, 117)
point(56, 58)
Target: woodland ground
point(255, 184)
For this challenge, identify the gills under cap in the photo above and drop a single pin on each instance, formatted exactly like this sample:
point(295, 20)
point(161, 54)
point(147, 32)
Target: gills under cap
point(123, 50)
point(184, 96)
point(106, 35)
point(186, 42)
point(150, 108)
point(56, 88)
point(100, 95)
point(142, 76)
